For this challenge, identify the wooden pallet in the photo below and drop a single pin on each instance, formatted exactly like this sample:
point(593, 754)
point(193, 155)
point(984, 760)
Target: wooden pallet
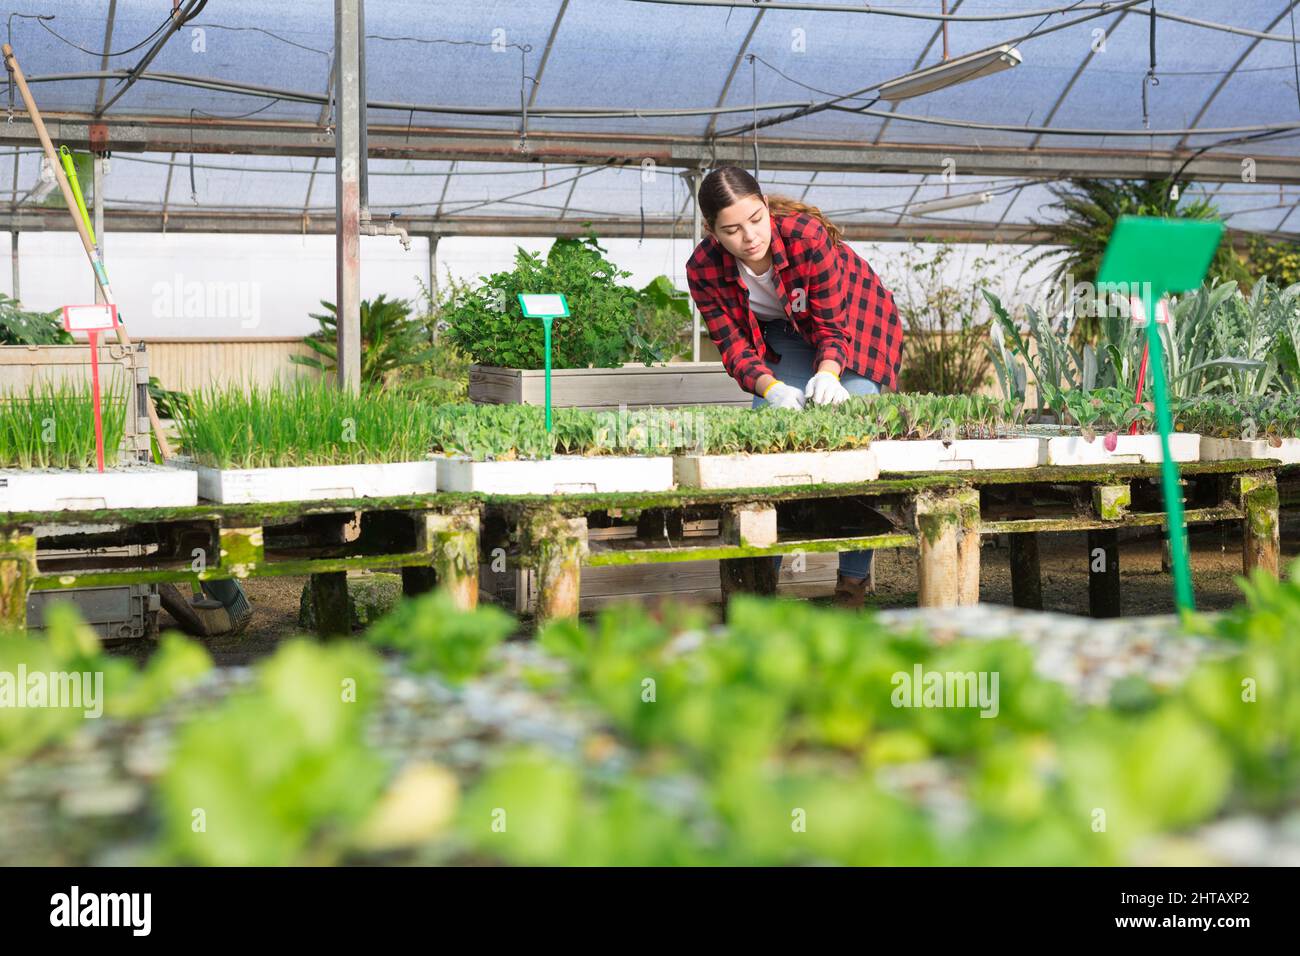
point(564, 539)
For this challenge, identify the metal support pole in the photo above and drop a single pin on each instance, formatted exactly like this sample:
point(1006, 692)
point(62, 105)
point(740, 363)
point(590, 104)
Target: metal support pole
point(433, 281)
point(97, 212)
point(698, 233)
point(347, 169)
point(13, 250)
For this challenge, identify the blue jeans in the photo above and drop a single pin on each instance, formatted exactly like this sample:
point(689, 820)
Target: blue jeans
point(795, 369)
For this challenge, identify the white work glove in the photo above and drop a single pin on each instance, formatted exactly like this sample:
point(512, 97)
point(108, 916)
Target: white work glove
point(825, 389)
point(781, 395)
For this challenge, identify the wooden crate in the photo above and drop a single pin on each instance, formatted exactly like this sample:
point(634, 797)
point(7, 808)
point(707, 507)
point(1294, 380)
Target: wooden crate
point(604, 389)
point(122, 370)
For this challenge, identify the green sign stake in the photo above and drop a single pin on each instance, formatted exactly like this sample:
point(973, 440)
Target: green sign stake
point(547, 307)
point(1150, 257)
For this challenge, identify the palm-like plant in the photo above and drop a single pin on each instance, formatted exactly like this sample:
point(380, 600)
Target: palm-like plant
point(1089, 209)
point(390, 340)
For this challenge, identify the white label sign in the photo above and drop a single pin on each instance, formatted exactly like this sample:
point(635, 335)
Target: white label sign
point(89, 318)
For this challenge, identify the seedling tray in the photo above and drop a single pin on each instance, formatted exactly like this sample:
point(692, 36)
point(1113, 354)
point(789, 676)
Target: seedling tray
point(963, 454)
point(1129, 449)
point(775, 470)
point(126, 486)
point(1225, 449)
point(562, 474)
point(314, 482)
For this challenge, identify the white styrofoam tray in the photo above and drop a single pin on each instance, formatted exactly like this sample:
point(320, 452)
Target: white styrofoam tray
point(775, 470)
point(562, 474)
point(129, 486)
point(313, 482)
point(1225, 449)
point(964, 454)
point(1129, 449)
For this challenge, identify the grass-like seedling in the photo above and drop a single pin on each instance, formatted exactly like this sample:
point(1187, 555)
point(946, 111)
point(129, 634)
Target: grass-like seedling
point(304, 422)
point(53, 426)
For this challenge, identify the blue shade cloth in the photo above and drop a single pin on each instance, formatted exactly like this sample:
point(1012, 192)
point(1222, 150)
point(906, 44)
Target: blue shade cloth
point(795, 369)
point(597, 54)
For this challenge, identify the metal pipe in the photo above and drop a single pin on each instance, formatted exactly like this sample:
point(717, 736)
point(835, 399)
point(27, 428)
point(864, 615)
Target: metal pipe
point(389, 228)
point(365, 112)
point(433, 279)
point(945, 30)
point(347, 194)
point(698, 234)
point(13, 253)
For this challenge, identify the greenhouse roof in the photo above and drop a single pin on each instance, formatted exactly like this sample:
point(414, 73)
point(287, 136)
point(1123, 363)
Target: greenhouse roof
point(514, 118)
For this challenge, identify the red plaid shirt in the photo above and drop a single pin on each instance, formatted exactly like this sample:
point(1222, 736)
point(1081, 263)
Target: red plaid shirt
point(830, 295)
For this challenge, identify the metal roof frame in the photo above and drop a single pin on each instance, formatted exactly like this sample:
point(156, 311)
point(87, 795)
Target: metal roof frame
point(1036, 158)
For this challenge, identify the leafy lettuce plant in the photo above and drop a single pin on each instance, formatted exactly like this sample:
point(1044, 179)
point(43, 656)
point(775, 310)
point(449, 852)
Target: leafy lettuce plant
point(68, 645)
point(281, 774)
point(434, 635)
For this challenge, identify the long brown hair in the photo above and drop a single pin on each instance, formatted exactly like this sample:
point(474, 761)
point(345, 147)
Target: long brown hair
point(730, 184)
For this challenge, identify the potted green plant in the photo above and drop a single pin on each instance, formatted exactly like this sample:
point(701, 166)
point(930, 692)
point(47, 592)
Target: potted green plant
point(306, 440)
point(506, 449)
point(48, 457)
point(616, 348)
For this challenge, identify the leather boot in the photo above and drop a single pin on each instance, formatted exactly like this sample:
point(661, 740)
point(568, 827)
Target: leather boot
point(850, 592)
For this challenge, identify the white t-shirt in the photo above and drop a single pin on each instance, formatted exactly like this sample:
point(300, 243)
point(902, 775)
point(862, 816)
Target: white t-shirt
point(762, 292)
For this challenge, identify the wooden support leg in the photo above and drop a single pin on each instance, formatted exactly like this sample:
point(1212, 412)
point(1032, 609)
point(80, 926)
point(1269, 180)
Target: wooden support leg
point(17, 568)
point(751, 526)
point(938, 525)
point(1260, 541)
point(1103, 573)
point(1111, 502)
point(968, 547)
point(556, 546)
point(747, 576)
point(329, 595)
point(1026, 574)
point(455, 556)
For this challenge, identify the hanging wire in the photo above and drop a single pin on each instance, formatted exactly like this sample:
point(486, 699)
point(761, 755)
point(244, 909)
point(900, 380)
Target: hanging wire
point(640, 178)
point(9, 25)
point(1150, 79)
point(753, 93)
point(50, 30)
point(524, 50)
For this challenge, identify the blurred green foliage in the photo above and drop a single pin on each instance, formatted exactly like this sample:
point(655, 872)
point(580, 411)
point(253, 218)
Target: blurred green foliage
point(282, 773)
point(67, 645)
point(433, 635)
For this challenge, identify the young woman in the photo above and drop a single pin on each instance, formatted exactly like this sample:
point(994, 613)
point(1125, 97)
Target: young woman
point(797, 315)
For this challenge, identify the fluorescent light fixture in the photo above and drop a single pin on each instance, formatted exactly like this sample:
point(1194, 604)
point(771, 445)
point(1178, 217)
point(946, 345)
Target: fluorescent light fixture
point(45, 185)
point(948, 202)
point(951, 72)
